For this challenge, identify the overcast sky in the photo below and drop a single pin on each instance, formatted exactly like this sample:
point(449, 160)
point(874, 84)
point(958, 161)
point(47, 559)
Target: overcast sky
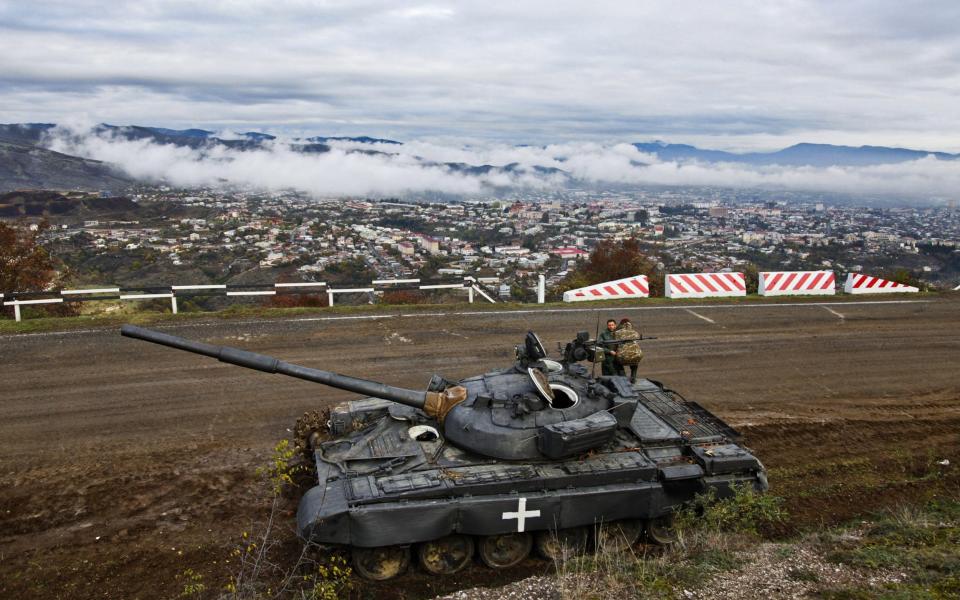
point(733, 74)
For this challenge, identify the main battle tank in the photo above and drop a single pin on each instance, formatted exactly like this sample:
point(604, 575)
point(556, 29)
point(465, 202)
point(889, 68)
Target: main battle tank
point(538, 454)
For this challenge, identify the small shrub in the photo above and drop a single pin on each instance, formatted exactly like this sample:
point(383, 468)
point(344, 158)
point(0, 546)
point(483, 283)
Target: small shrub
point(329, 581)
point(283, 467)
point(295, 300)
point(193, 586)
point(265, 566)
point(746, 511)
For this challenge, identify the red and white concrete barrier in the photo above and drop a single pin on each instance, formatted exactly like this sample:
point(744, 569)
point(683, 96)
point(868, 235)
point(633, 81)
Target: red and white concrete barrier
point(705, 285)
point(858, 283)
point(628, 287)
point(797, 283)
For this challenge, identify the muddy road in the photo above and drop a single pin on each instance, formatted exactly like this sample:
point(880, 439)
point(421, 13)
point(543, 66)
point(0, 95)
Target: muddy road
point(123, 464)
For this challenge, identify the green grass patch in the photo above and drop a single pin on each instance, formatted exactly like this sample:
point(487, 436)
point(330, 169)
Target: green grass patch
point(922, 543)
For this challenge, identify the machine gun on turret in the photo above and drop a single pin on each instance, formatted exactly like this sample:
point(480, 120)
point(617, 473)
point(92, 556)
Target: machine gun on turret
point(583, 347)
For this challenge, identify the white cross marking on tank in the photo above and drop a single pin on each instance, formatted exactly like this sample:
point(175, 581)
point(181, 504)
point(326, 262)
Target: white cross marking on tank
point(521, 515)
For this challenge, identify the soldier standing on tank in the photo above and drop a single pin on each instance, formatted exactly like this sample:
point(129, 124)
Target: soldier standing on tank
point(629, 353)
point(607, 340)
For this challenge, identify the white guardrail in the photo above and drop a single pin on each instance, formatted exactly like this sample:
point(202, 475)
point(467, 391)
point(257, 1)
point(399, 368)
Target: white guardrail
point(471, 284)
point(677, 285)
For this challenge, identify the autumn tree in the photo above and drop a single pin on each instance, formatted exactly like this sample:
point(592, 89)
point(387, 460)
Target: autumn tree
point(610, 260)
point(751, 276)
point(905, 277)
point(24, 264)
point(315, 300)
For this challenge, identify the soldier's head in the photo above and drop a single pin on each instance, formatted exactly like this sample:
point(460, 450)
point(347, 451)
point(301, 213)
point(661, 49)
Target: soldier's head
point(625, 321)
point(611, 324)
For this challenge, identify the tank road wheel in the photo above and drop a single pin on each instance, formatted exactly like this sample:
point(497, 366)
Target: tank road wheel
point(380, 564)
point(502, 551)
point(617, 536)
point(446, 555)
point(559, 545)
point(660, 531)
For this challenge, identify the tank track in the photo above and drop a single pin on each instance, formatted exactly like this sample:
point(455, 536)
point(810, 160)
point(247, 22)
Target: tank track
point(453, 553)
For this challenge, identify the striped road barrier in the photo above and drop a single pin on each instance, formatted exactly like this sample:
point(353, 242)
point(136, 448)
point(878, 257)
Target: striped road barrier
point(628, 287)
point(174, 292)
point(858, 283)
point(705, 285)
point(797, 283)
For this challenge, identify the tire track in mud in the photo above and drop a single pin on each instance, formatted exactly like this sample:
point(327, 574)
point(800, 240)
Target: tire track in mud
point(836, 470)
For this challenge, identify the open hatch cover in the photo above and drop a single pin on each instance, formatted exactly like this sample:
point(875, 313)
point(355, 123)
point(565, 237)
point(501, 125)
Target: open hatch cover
point(541, 383)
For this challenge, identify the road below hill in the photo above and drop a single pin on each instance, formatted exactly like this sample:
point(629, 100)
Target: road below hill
point(123, 464)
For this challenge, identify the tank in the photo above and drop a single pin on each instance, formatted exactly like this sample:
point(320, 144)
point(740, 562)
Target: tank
point(540, 454)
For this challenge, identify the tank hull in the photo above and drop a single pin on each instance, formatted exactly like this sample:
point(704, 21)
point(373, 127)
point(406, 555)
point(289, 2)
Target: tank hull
point(671, 451)
point(412, 521)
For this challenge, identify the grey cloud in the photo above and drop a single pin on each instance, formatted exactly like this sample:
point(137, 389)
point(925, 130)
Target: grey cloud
point(742, 72)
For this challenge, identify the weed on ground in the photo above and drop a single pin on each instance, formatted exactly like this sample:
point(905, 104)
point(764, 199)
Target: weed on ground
point(921, 545)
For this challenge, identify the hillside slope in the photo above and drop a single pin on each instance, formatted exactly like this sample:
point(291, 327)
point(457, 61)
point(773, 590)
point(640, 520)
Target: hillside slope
point(24, 166)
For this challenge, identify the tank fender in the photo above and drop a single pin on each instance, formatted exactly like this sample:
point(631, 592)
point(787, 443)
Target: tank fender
point(323, 514)
point(403, 523)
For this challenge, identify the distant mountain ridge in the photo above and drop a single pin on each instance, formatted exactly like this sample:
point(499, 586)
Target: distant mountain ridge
point(34, 133)
point(798, 155)
point(803, 154)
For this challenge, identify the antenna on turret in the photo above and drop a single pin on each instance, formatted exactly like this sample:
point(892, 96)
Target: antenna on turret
point(596, 337)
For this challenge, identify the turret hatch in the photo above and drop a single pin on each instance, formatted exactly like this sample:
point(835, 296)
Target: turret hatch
point(541, 384)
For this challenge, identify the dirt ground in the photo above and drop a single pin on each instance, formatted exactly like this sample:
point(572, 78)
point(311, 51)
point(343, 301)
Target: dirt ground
point(123, 464)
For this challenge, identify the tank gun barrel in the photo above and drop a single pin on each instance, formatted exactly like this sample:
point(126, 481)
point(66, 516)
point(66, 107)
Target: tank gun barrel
point(269, 364)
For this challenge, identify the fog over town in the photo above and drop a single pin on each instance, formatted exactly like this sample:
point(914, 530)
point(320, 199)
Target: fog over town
point(390, 169)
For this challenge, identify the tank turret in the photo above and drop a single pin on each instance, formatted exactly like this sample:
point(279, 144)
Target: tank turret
point(538, 453)
point(535, 409)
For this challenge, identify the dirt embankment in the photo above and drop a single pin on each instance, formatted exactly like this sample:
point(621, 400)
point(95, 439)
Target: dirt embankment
point(123, 464)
